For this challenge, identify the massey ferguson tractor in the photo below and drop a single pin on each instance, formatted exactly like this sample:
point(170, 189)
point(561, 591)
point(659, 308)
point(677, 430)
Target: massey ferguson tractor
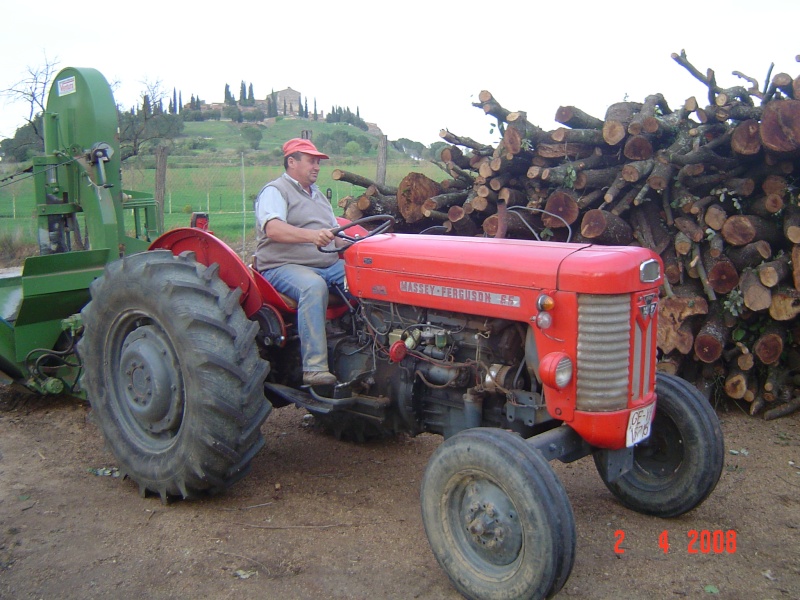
point(516, 352)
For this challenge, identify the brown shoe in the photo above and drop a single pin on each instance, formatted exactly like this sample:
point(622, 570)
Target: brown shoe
point(318, 378)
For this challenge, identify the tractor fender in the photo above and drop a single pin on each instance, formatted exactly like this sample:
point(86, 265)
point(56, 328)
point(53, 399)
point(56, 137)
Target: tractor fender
point(208, 250)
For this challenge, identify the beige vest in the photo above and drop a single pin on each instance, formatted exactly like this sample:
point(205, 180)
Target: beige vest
point(302, 210)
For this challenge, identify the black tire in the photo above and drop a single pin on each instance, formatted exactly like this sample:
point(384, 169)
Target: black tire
point(173, 374)
point(679, 464)
point(497, 518)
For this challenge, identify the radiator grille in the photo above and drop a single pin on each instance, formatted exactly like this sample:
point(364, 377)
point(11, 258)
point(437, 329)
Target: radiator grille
point(604, 352)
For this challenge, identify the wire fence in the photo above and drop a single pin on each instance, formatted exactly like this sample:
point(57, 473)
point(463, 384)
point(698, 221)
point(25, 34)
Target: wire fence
point(225, 192)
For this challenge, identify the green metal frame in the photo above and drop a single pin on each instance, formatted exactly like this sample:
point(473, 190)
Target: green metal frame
point(78, 179)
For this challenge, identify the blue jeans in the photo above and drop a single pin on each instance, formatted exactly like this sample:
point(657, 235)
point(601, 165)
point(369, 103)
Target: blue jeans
point(309, 286)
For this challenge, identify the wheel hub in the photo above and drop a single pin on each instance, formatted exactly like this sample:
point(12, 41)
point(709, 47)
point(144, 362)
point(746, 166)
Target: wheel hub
point(491, 521)
point(662, 453)
point(150, 380)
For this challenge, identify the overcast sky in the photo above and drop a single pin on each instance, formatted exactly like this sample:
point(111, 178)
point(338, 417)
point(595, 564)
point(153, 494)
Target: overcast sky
point(413, 67)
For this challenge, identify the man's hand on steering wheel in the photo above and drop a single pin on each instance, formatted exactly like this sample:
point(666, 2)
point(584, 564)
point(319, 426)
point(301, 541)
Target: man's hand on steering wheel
point(323, 237)
point(386, 222)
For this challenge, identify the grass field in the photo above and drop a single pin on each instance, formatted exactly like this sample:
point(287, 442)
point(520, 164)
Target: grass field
point(221, 178)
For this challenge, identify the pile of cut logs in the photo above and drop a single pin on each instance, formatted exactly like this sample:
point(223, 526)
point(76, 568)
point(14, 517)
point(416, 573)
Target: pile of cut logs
point(709, 188)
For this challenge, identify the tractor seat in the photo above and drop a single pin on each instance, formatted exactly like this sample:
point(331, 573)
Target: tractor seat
point(269, 295)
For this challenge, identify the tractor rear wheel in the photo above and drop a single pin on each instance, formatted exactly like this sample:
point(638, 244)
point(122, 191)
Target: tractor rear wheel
point(497, 518)
point(173, 374)
point(679, 464)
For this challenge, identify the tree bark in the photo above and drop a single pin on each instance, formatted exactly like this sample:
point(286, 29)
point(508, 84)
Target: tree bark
point(462, 223)
point(618, 117)
point(413, 191)
point(575, 118)
point(780, 126)
point(756, 296)
point(634, 171)
point(783, 410)
point(791, 223)
point(721, 273)
point(769, 345)
point(740, 230)
point(735, 385)
point(775, 271)
point(361, 181)
point(746, 138)
point(785, 304)
point(602, 227)
point(750, 255)
point(711, 339)
point(564, 205)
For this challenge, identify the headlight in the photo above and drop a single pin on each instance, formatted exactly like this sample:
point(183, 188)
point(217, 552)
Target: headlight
point(649, 271)
point(544, 320)
point(545, 302)
point(555, 370)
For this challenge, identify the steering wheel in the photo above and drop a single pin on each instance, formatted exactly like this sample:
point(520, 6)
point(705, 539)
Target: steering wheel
point(386, 222)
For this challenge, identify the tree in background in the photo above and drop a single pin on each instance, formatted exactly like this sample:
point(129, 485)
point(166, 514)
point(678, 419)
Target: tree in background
point(340, 141)
point(144, 129)
point(138, 134)
point(146, 109)
point(233, 113)
point(25, 144)
point(340, 115)
point(251, 99)
point(272, 105)
point(32, 91)
point(253, 116)
point(409, 147)
point(316, 116)
point(253, 135)
point(352, 148)
point(243, 94)
point(229, 99)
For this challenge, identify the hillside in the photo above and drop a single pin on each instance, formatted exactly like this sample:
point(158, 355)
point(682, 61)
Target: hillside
point(218, 142)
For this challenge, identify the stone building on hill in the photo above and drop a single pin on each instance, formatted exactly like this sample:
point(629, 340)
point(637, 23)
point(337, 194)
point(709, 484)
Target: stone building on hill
point(291, 99)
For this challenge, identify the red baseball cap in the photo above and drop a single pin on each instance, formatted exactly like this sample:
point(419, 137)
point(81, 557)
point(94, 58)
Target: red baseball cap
point(301, 145)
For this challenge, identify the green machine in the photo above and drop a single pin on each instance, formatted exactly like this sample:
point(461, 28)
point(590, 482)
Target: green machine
point(85, 220)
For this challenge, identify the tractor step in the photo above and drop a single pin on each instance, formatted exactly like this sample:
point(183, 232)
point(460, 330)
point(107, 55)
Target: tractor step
point(309, 400)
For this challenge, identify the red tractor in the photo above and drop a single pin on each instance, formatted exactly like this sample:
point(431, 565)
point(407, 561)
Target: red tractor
point(517, 352)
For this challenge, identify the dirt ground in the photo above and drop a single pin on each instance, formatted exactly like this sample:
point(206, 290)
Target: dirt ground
point(319, 518)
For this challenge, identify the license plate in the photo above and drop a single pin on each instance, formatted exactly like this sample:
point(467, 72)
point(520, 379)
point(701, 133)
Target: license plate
point(639, 422)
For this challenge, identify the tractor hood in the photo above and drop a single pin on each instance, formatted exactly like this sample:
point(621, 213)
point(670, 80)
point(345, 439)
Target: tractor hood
point(462, 260)
point(510, 263)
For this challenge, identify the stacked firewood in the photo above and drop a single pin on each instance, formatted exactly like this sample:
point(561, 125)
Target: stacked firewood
point(709, 188)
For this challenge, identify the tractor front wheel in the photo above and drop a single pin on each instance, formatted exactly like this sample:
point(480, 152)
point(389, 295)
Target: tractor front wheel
point(679, 464)
point(497, 518)
point(173, 374)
